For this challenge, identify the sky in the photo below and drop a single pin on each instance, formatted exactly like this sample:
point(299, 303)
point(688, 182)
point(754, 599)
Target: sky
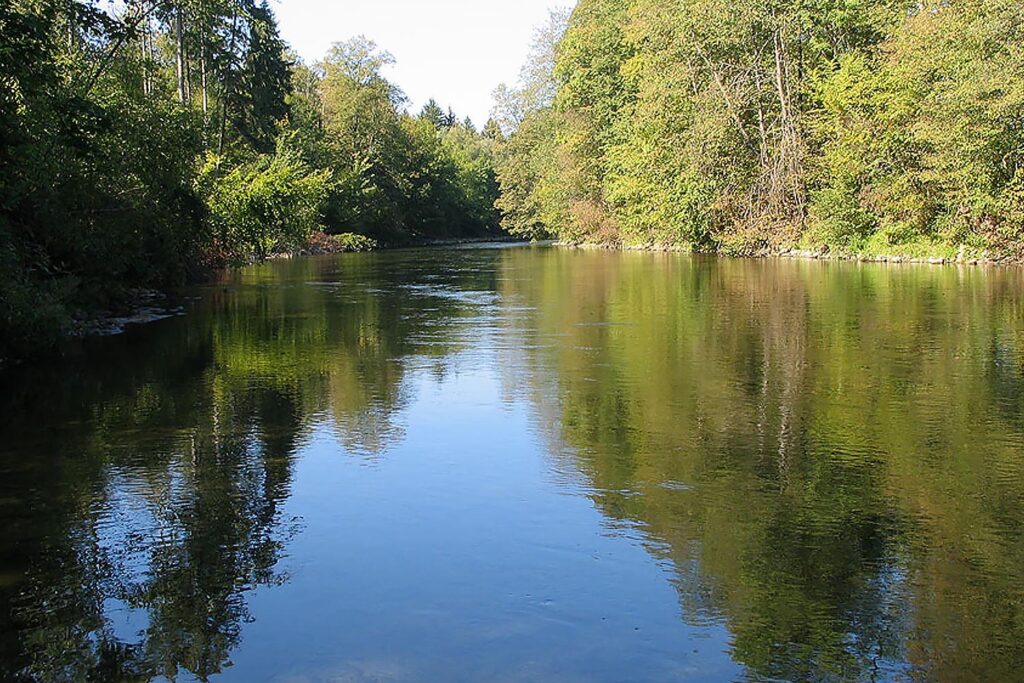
point(456, 51)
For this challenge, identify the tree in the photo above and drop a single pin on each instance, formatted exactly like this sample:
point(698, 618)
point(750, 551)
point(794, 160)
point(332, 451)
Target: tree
point(748, 127)
point(449, 119)
point(537, 86)
point(492, 130)
point(524, 120)
point(433, 113)
point(107, 115)
point(269, 205)
point(266, 81)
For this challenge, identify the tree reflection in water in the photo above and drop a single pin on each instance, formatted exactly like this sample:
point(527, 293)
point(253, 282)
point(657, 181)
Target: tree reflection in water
point(157, 503)
point(827, 455)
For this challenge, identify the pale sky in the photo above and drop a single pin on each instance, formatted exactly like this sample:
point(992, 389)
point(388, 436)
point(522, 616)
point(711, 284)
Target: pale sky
point(456, 51)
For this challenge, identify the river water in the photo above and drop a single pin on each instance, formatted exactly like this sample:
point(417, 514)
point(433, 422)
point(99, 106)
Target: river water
point(528, 464)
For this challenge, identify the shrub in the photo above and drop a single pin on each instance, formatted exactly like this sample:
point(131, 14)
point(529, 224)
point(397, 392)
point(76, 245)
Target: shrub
point(268, 205)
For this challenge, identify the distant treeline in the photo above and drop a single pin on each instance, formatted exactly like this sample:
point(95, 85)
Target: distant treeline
point(750, 126)
point(148, 143)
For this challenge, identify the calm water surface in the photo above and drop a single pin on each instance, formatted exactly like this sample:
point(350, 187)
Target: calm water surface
point(528, 464)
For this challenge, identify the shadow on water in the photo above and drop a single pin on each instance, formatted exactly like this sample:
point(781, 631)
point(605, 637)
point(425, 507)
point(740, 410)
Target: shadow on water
point(827, 457)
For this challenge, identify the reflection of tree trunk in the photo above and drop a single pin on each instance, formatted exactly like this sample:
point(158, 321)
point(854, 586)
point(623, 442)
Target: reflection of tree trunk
point(785, 375)
point(215, 415)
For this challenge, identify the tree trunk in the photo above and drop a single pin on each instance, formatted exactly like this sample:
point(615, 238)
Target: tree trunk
point(131, 24)
point(780, 77)
point(145, 62)
point(787, 164)
point(151, 55)
point(733, 112)
point(179, 54)
point(226, 90)
point(202, 75)
point(188, 73)
point(761, 127)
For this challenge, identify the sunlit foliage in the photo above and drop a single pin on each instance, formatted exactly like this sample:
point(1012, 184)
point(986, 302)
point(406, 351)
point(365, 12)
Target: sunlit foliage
point(749, 127)
point(148, 141)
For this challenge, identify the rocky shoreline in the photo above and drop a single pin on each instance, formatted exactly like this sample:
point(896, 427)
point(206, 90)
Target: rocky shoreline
point(822, 255)
point(142, 306)
point(960, 260)
point(149, 305)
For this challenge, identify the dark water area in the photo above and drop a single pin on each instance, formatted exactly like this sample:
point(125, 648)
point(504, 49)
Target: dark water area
point(528, 464)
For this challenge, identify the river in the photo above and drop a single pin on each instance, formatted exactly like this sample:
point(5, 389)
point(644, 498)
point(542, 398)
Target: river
point(527, 463)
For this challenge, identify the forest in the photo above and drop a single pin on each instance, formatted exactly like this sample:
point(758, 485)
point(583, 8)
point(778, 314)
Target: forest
point(749, 127)
point(145, 146)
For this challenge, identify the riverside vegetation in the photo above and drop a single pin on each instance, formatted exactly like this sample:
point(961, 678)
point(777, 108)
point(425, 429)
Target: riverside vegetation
point(146, 146)
point(143, 147)
point(751, 127)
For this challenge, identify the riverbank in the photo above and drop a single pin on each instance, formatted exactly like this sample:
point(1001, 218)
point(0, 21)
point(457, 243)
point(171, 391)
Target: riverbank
point(141, 306)
point(962, 257)
point(321, 244)
point(148, 305)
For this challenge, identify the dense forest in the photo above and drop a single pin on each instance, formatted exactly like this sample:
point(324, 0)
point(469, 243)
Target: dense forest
point(751, 127)
point(144, 145)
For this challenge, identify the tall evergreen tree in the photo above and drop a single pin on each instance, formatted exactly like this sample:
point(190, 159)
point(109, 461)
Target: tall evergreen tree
point(265, 81)
point(433, 113)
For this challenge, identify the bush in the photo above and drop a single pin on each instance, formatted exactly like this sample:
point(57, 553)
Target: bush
point(268, 205)
point(322, 243)
point(838, 219)
point(32, 315)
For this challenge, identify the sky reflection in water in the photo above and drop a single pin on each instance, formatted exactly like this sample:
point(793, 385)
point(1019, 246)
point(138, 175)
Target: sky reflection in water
point(528, 464)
